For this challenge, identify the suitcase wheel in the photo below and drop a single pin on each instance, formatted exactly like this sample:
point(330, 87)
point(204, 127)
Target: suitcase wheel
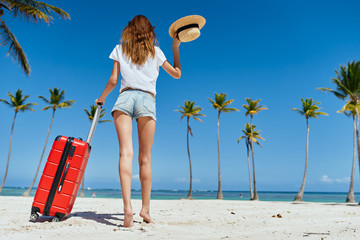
point(56, 219)
point(34, 217)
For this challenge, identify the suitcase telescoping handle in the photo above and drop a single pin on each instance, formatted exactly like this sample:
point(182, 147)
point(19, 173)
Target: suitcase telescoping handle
point(94, 122)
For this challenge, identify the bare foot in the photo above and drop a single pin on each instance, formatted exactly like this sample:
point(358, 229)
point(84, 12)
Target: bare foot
point(146, 216)
point(128, 218)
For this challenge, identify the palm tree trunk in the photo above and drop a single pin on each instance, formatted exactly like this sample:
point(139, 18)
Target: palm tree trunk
point(8, 159)
point(248, 158)
point(255, 196)
point(351, 197)
point(219, 195)
point(82, 188)
point(357, 136)
point(27, 192)
point(188, 150)
point(300, 194)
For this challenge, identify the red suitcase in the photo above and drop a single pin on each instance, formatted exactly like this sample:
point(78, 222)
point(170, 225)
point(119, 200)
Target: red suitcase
point(62, 176)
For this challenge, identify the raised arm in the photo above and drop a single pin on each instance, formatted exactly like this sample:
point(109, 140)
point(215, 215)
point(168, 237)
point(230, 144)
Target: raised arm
point(111, 84)
point(174, 71)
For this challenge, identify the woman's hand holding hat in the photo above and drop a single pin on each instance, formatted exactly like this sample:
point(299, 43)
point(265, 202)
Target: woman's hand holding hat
point(176, 41)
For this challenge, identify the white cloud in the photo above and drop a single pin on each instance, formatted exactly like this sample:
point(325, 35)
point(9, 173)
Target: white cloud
point(326, 179)
point(180, 180)
point(342, 180)
point(135, 176)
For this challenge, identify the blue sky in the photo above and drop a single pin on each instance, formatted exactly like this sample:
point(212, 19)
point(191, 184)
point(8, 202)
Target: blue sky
point(277, 51)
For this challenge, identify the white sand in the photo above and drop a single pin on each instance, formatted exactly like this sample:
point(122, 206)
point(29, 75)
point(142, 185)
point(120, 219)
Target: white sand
point(183, 219)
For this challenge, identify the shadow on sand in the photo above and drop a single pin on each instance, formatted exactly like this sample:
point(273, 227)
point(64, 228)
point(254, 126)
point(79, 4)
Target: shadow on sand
point(103, 218)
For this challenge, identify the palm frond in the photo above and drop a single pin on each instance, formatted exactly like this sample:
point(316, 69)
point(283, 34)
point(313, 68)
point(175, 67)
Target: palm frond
point(90, 114)
point(198, 119)
point(6, 102)
point(252, 107)
point(15, 50)
point(298, 111)
point(310, 108)
point(66, 104)
point(102, 121)
point(36, 11)
point(190, 110)
point(4, 6)
point(64, 15)
point(44, 99)
point(227, 110)
point(27, 107)
point(87, 112)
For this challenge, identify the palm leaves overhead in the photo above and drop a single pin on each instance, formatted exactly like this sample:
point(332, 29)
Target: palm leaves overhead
point(56, 100)
point(35, 11)
point(92, 111)
point(221, 104)
point(253, 107)
point(31, 10)
point(309, 109)
point(15, 50)
point(247, 134)
point(17, 102)
point(347, 82)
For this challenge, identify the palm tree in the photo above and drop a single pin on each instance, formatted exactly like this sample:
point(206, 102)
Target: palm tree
point(188, 111)
point(347, 83)
point(309, 110)
point(220, 104)
point(248, 132)
point(18, 103)
point(91, 115)
point(350, 109)
point(251, 109)
point(56, 101)
point(31, 10)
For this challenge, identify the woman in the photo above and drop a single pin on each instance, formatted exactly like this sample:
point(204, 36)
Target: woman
point(138, 61)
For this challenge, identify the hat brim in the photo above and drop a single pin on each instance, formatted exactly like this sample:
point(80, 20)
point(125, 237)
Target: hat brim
point(182, 22)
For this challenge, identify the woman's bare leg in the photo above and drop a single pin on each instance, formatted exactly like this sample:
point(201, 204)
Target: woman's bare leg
point(146, 131)
point(123, 125)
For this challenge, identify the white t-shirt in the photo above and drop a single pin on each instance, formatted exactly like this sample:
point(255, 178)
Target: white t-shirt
point(139, 76)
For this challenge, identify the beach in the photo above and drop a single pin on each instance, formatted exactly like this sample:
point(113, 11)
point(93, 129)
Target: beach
point(102, 218)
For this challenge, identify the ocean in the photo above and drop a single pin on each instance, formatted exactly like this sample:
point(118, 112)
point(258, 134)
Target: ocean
point(338, 197)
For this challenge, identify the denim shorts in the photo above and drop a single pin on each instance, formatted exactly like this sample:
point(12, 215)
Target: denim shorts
point(135, 103)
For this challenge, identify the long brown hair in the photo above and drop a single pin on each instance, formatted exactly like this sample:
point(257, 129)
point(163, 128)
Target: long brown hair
point(138, 39)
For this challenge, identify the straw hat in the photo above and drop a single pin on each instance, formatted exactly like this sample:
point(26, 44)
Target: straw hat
point(188, 28)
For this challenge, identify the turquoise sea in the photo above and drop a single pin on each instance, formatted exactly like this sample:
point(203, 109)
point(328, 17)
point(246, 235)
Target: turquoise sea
point(338, 197)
